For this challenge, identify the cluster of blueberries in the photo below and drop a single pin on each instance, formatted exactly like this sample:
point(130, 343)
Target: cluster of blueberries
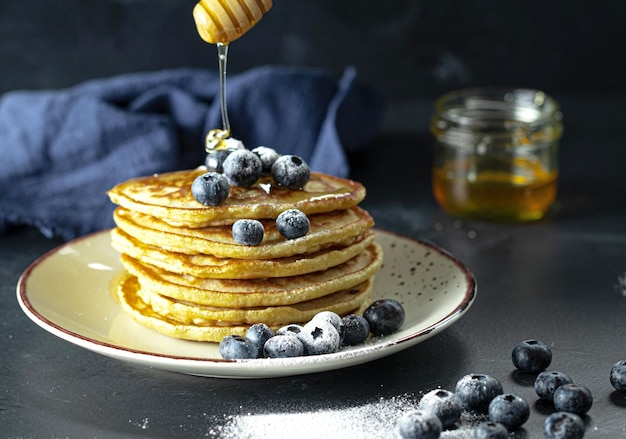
point(480, 393)
point(325, 333)
point(241, 167)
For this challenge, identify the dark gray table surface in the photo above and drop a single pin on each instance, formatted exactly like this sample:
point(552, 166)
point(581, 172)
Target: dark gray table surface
point(561, 280)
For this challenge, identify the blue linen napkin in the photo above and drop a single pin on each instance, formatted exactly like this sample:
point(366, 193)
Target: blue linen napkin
point(61, 150)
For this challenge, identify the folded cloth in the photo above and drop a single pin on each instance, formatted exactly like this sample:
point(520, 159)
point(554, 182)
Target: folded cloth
point(61, 150)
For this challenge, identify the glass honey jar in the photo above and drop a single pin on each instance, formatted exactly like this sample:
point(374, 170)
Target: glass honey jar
point(496, 153)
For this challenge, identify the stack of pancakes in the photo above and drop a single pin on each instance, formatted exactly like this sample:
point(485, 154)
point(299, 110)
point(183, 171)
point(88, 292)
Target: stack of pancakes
point(186, 277)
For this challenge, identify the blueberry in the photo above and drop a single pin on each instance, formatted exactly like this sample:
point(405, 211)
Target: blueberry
point(573, 398)
point(509, 410)
point(419, 424)
point(563, 425)
point(446, 405)
point(235, 347)
point(490, 430)
point(291, 172)
point(214, 161)
point(547, 382)
point(531, 356)
point(242, 168)
point(356, 329)
point(618, 376)
point(477, 390)
point(268, 156)
point(292, 224)
point(291, 329)
point(283, 346)
point(384, 316)
point(319, 337)
point(258, 334)
point(332, 318)
point(210, 189)
point(248, 232)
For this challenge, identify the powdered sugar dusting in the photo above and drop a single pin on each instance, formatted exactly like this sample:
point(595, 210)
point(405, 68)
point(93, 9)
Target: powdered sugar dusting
point(377, 419)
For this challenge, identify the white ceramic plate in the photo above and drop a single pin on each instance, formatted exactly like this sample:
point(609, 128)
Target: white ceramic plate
point(67, 293)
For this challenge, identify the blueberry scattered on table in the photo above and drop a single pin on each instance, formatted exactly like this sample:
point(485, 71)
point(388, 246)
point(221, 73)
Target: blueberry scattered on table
point(509, 410)
point(291, 329)
point(419, 424)
point(210, 189)
point(573, 398)
point(446, 405)
point(291, 172)
point(490, 430)
point(531, 356)
point(563, 425)
point(236, 347)
point(334, 319)
point(242, 168)
point(356, 329)
point(283, 346)
point(476, 391)
point(259, 333)
point(293, 224)
point(268, 156)
point(548, 381)
point(618, 376)
point(248, 232)
point(385, 316)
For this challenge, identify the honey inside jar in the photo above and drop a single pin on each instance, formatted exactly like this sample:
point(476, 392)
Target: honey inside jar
point(496, 154)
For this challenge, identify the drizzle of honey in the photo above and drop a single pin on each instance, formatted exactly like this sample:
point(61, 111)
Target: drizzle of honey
point(521, 190)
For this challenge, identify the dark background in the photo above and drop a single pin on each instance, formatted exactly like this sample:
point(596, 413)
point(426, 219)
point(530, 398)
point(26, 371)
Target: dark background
point(408, 49)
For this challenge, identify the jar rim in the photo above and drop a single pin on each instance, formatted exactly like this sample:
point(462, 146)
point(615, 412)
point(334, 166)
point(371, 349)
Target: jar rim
point(479, 105)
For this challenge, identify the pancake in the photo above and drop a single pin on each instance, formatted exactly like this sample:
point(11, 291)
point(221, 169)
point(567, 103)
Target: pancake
point(328, 229)
point(209, 266)
point(168, 197)
point(257, 292)
point(145, 315)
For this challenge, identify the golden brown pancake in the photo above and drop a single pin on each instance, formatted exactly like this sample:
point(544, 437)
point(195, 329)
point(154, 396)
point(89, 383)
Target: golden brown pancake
point(209, 266)
point(328, 229)
point(168, 197)
point(215, 331)
point(257, 292)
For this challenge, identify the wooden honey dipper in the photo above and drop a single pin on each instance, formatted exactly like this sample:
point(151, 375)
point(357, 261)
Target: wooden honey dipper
point(223, 21)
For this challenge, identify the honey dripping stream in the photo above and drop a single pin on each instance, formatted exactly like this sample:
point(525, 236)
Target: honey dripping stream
point(215, 138)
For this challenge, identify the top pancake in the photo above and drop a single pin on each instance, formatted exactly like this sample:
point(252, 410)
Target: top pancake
point(168, 197)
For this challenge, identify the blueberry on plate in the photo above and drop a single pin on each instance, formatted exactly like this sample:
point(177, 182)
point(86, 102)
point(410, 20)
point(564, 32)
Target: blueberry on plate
point(291, 329)
point(268, 156)
point(419, 424)
point(242, 168)
point(248, 232)
point(476, 391)
point(531, 356)
point(618, 376)
point(573, 398)
point(385, 316)
point(214, 161)
point(332, 318)
point(563, 425)
point(356, 329)
point(235, 347)
point(490, 430)
point(292, 224)
point(319, 337)
point(446, 405)
point(283, 346)
point(258, 334)
point(291, 172)
point(547, 382)
point(210, 189)
point(509, 410)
